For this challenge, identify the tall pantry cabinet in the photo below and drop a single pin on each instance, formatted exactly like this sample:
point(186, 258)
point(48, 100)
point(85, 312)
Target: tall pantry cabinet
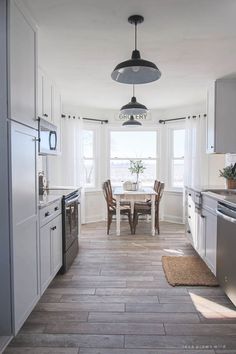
point(5, 289)
point(22, 120)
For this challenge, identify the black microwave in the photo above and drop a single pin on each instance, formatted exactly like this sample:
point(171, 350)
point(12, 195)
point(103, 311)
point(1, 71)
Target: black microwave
point(47, 137)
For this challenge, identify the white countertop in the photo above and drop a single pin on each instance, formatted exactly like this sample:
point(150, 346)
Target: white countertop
point(52, 195)
point(228, 199)
point(142, 191)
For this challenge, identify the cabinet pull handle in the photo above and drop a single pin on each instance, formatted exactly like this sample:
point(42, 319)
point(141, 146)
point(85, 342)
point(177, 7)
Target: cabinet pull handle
point(46, 214)
point(190, 194)
point(53, 228)
point(189, 217)
point(45, 115)
point(189, 232)
point(212, 146)
point(56, 208)
point(189, 206)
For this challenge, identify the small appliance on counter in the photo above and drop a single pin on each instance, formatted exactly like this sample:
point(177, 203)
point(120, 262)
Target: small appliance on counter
point(42, 183)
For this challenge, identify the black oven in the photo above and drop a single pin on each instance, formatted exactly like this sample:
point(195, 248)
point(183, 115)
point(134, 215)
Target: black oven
point(70, 228)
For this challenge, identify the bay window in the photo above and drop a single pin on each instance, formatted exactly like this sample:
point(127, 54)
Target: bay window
point(133, 145)
point(177, 146)
point(89, 163)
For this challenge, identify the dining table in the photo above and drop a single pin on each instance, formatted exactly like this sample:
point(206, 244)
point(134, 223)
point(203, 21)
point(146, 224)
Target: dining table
point(132, 196)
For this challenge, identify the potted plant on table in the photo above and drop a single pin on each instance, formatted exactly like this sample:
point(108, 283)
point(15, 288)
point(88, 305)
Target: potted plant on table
point(229, 173)
point(136, 167)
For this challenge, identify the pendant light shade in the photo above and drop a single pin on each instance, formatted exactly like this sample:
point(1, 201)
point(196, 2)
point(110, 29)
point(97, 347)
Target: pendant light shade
point(133, 108)
point(136, 70)
point(131, 122)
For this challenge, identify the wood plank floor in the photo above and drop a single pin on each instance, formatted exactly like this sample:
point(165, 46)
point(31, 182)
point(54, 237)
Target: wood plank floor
point(115, 300)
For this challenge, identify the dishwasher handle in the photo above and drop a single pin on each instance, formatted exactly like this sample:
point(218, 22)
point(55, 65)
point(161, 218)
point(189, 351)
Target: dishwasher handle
point(225, 217)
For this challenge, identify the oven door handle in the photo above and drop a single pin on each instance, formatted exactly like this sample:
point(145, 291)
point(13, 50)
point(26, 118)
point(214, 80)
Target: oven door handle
point(225, 217)
point(70, 201)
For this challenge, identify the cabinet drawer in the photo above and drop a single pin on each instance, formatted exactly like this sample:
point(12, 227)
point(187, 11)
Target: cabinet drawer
point(49, 212)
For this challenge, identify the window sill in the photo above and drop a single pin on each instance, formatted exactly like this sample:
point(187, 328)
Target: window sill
point(174, 191)
point(92, 190)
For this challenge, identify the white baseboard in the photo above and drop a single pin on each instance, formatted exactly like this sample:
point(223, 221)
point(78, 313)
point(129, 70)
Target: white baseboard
point(94, 218)
point(168, 218)
point(173, 219)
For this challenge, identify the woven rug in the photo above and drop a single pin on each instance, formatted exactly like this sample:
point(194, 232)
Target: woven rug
point(187, 270)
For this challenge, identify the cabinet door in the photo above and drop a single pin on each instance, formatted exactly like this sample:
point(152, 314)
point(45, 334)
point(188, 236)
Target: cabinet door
point(24, 222)
point(45, 256)
point(40, 94)
point(210, 239)
point(201, 237)
point(56, 244)
point(22, 68)
point(211, 120)
point(47, 99)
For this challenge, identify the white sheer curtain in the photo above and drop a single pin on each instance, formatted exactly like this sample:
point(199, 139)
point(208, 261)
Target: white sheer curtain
point(195, 160)
point(67, 169)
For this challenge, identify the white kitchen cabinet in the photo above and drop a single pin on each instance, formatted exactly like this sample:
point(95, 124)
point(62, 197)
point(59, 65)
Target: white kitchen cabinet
point(221, 122)
point(40, 94)
point(50, 244)
point(56, 245)
point(22, 67)
point(45, 257)
point(201, 244)
point(209, 217)
point(47, 98)
point(45, 88)
point(49, 103)
point(201, 226)
point(210, 231)
point(25, 250)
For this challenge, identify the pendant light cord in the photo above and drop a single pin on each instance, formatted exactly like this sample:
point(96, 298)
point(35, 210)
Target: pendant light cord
point(133, 91)
point(135, 36)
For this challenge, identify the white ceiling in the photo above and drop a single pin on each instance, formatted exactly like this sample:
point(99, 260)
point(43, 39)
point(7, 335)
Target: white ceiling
point(81, 41)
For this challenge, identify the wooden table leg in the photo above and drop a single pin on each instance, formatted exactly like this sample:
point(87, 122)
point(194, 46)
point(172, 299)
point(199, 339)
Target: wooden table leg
point(118, 215)
point(153, 214)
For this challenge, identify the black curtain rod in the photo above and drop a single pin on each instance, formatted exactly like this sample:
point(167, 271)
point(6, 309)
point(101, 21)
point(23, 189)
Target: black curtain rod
point(85, 118)
point(96, 120)
point(163, 121)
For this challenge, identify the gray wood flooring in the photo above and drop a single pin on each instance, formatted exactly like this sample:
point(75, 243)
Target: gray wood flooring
point(115, 300)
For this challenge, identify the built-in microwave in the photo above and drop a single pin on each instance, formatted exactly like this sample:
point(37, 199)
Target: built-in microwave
point(47, 137)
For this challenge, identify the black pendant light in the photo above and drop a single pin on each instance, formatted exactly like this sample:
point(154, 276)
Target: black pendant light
point(131, 122)
point(134, 108)
point(136, 70)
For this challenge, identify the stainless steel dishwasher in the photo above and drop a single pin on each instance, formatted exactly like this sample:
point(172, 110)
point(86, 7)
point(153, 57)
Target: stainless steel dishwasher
point(226, 246)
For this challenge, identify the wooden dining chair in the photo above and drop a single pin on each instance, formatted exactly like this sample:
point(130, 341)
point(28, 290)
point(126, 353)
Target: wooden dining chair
point(111, 208)
point(122, 202)
point(144, 208)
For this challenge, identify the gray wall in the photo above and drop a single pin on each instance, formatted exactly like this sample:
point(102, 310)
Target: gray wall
point(5, 295)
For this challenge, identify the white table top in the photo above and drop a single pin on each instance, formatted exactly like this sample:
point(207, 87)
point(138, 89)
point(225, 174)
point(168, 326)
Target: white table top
point(142, 191)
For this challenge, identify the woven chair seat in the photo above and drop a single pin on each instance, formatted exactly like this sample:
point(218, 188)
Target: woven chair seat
point(144, 208)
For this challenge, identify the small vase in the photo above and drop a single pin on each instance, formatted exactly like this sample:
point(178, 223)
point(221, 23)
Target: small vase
point(231, 183)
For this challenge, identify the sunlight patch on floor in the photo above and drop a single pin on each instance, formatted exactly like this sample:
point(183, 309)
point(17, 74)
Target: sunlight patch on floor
point(212, 309)
point(174, 251)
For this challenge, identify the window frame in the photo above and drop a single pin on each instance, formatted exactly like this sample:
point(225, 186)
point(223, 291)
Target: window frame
point(133, 129)
point(171, 158)
point(96, 151)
